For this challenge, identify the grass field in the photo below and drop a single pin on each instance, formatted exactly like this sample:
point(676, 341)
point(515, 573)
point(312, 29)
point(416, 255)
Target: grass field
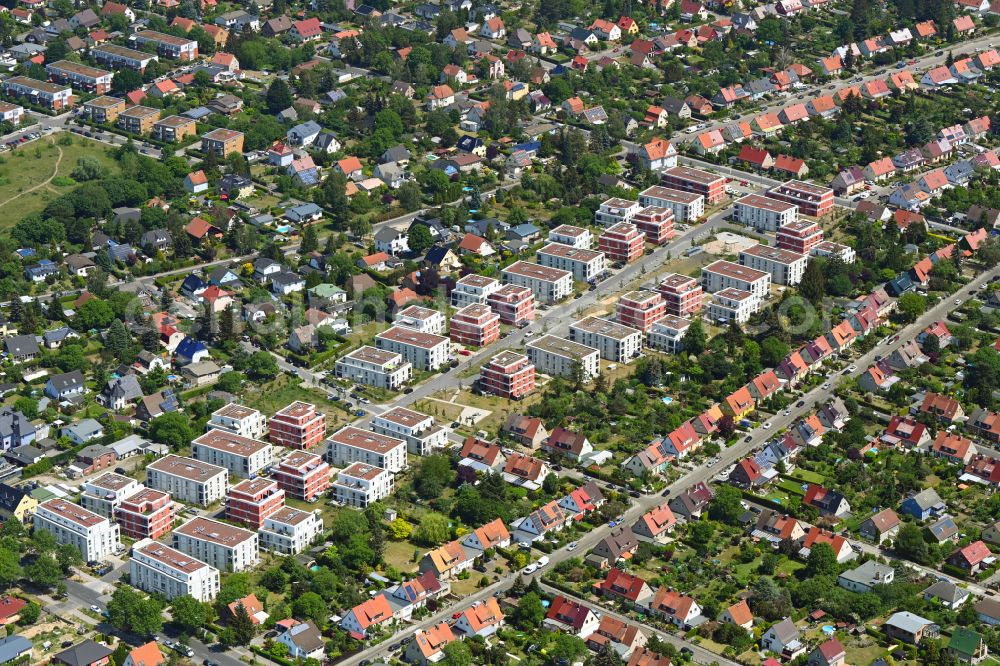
point(26, 174)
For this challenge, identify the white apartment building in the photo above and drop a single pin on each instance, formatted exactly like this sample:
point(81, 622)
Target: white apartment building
point(424, 350)
point(105, 493)
point(94, 536)
point(667, 334)
point(686, 206)
point(421, 319)
point(362, 485)
point(239, 420)
point(616, 342)
point(290, 531)
point(242, 456)
point(349, 445)
point(731, 304)
point(556, 357)
point(764, 213)
point(375, 367)
point(188, 480)
point(615, 210)
point(549, 285)
point(725, 274)
point(223, 546)
point(846, 253)
point(567, 234)
point(786, 267)
point(585, 265)
point(159, 569)
point(416, 429)
point(472, 289)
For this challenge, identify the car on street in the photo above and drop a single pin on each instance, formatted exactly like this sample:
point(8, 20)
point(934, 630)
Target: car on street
point(852, 368)
point(958, 301)
point(95, 608)
point(767, 425)
point(748, 438)
point(572, 545)
point(530, 569)
point(542, 561)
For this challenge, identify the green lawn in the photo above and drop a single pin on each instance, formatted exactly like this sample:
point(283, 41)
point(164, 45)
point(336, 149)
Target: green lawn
point(26, 173)
point(284, 390)
point(807, 476)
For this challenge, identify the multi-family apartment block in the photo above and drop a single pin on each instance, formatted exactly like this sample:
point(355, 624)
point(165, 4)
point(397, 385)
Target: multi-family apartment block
point(615, 210)
point(374, 367)
point(138, 119)
point(799, 236)
point(507, 375)
point(104, 109)
point(168, 46)
point(475, 326)
point(159, 569)
point(585, 265)
point(697, 181)
point(188, 480)
point(615, 342)
point(668, 334)
point(622, 242)
point(731, 304)
point(786, 267)
point(812, 200)
point(242, 456)
point(11, 113)
point(656, 223)
point(223, 142)
point(297, 426)
point(147, 514)
point(349, 445)
point(91, 79)
point(686, 206)
point(362, 485)
point(473, 288)
point(763, 213)
point(94, 536)
point(105, 493)
point(514, 304)
point(50, 95)
point(290, 531)
point(421, 319)
point(250, 501)
point(174, 129)
point(222, 546)
point(682, 295)
point(422, 437)
point(425, 351)
point(303, 475)
point(567, 234)
point(120, 57)
point(640, 309)
point(549, 285)
point(723, 274)
point(560, 358)
point(239, 420)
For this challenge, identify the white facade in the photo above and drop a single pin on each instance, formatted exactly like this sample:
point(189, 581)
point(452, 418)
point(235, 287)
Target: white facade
point(725, 275)
point(160, 569)
point(763, 213)
point(290, 531)
point(362, 485)
point(668, 334)
point(615, 210)
point(786, 267)
point(686, 206)
point(567, 234)
point(375, 367)
point(615, 342)
point(421, 319)
point(240, 420)
point(223, 546)
point(188, 480)
point(242, 456)
point(349, 445)
point(422, 437)
point(585, 265)
point(549, 285)
point(731, 305)
point(94, 536)
point(424, 350)
point(473, 289)
point(556, 356)
point(103, 494)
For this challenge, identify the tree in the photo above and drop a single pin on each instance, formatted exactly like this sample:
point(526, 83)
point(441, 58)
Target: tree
point(909, 543)
point(695, 339)
point(813, 284)
point(310, 606)
point(173, 429)
point(29, 614)
point(279, 96)
point(772, 351)
point(310, 241)
point(419, 239)
point(608, 656)
point(822, 561)
point(529, 612)
point(44, 571)
point(400, 529)
point(67, 556)
point(434, 476)
point(262, 367)
point(229, 327)
point(10, 567)
point(130, 610)
point(911, 306)
point(94, 314)
point(726, 506)
point(241, 626)
point(27, 406)
point(433, 530)
point(118, 340)
point(87, 168)
point(188, 614)
point(457, 653)
point(567, 649)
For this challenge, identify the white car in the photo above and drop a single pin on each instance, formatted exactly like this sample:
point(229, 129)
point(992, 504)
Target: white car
point(958, 301)
point(530, 569)
point(853, 368)
point(542, 561)
point(767, 425)
point(827, 386)
point(572, 545)
point(95, 608)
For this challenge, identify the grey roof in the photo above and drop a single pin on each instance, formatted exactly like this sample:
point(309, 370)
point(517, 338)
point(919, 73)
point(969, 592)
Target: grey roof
point(10, 497)
point(308, 128)
point(12, 646)
point(58, 334)
point(126, 387)
point(21, 345)
point(395, 154)
point(324, 140)
point(93, 451)
point(909, 622)
point(83, 654)
point(868, 573)
point(84, 429)
point(785, 631)
point(927, 498)
point(14, 423)
point(67, 380)
point(945, 590)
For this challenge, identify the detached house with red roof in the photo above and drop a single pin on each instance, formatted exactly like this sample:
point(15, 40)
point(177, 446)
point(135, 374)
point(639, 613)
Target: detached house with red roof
point(308, 30)
point(625, 587)
point(827, 502)
point(366, 615)
point(655, 525)
point(944, 407)
point(483, 619)
point(674, 607)
point(954, 447)
point(972, 559)
point(738, 614)
point(657, 155)
point(739, 403)
point(571, 617)
point(583, 501)
point(572, 445)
